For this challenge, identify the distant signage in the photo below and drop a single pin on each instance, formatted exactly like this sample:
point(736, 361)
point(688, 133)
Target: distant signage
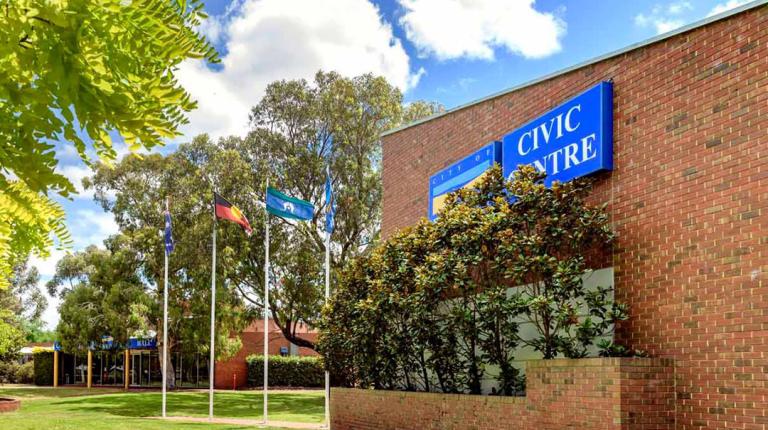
point(463, 174)
point(56, 345)
point(142, 343)
point(107, 342)
point(570, 141)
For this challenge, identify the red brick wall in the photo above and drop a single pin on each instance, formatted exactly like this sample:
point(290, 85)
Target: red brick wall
point(596, 393)
point(234, 371)
point(688, 198)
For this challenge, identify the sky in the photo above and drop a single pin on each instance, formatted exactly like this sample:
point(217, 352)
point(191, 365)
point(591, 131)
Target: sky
point(448, 51)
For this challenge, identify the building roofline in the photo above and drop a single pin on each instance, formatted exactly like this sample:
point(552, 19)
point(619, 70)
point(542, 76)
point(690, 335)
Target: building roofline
point(692, 26)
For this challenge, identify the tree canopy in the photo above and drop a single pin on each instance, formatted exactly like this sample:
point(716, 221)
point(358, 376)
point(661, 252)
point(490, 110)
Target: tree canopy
point(102, 294)
point(21, 308)
point(80, 72)
point(297, 128)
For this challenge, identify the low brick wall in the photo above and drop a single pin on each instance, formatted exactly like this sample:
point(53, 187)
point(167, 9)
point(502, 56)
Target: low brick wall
point(594, 393)
point(9, 405)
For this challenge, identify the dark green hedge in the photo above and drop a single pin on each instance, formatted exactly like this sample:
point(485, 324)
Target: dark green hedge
point(286, 371)
point(43, 367)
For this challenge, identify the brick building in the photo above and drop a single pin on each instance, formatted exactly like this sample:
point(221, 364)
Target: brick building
point(687, 198)
point(234, 372)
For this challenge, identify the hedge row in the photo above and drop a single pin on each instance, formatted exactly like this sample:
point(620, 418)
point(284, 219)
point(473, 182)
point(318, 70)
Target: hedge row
point(286, 371)
point(43, 367)
point(14, 373)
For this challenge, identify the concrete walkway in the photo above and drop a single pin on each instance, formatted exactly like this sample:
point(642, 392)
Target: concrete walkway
point(244, 422)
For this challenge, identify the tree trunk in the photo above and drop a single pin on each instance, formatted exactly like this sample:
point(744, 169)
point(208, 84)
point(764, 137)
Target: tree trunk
point(171, 375)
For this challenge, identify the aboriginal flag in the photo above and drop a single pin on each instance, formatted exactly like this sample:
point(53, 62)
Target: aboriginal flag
point(228, 211)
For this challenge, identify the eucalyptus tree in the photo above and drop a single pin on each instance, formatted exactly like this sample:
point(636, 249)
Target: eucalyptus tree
point(135, 190)
point(101, 293)
point(298, 130)
point(21, 308)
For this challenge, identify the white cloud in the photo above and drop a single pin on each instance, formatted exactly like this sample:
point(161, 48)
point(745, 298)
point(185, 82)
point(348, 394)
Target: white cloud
point(677, 8)
point(87, 227)
point(76, 173)
point(664, 18)
point(47, 266)
point(51, 314)
point(90, 227)
point(211, 28)
point(268, 40)
point(663, 26)
point(474, 28)
point(730, 4)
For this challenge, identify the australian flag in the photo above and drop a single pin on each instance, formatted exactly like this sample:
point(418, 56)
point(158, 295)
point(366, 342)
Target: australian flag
point(167, 234)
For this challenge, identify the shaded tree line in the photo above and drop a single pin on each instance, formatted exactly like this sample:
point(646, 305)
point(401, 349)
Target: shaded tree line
point(297, 129)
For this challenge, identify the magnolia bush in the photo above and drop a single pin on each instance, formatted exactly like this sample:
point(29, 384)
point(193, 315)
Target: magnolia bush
point(438, 303)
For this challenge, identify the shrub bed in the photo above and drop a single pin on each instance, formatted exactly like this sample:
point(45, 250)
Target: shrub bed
point(440, 305)
point(8, 370)
point(286, 371)
point(25, 374)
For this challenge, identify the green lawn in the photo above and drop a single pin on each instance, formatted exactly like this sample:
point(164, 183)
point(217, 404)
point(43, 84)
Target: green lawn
point(79, 409)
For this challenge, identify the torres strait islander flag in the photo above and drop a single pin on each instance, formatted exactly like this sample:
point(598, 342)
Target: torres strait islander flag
point(228, 211)
point(288, 207)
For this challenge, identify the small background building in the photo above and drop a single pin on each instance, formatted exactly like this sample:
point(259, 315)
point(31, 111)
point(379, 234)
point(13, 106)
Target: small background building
point(191, 367)
point(233, 373)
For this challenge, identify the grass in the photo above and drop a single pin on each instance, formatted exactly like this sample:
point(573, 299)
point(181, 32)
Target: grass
point(98, 409)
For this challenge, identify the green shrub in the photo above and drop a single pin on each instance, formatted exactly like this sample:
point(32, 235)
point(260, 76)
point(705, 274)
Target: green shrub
point(439, 304)
point(286, 371)
point(8, 371)
point(25, 374)
point(43, 365)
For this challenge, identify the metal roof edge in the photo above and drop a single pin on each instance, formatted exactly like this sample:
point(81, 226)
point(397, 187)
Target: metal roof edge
point(692, 26)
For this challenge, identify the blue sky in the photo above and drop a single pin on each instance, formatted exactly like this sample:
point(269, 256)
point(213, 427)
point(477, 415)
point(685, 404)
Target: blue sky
point(451, 52)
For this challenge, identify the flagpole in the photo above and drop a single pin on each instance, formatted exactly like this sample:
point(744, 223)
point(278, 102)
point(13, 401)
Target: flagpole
point(213, 316)
point(327, 294)
point(266, 301)
point(165, 317)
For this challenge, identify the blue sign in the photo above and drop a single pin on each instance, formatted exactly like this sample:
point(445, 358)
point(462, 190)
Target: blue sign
point(464, 173)
point(570, 141)
point(56, 345)
point(142, 343)
point(107, 342)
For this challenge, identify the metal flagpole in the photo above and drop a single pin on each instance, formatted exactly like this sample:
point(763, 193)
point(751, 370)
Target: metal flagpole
point(165, 316)
point(266, 301)
point(213, 316)
point(327, 294)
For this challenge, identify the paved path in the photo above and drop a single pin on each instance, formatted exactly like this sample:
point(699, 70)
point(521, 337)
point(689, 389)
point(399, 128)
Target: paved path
point(244, 422)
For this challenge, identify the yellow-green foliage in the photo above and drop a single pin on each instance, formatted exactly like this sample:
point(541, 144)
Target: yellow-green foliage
point(78, 71)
